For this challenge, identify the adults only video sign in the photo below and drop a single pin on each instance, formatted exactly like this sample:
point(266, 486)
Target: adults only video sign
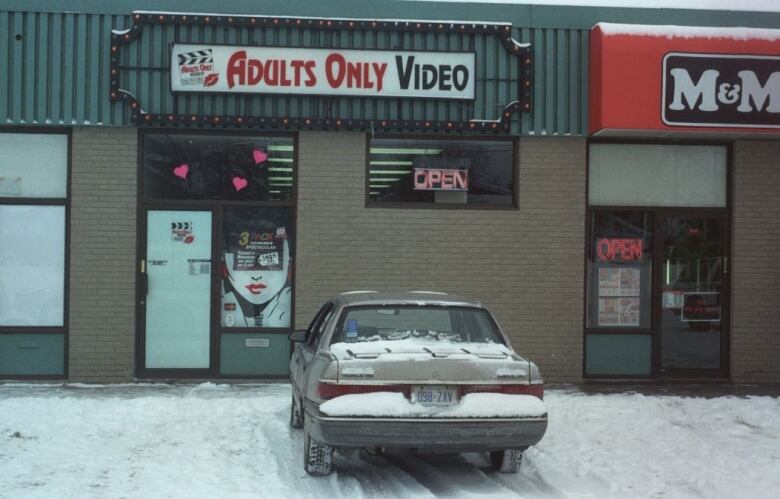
point(278, 70)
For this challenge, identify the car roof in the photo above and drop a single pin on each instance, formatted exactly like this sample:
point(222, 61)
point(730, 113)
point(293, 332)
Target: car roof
point(351, 298)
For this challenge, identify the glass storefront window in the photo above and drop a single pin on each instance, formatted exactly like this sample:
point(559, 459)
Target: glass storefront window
point(32, 265)
point(620, 270)
point(226, 167)
point(258, 249)
point(33, 165)
point(441, 171)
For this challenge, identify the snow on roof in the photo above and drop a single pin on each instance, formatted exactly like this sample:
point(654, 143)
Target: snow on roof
point(733, 5)
point(671, 31)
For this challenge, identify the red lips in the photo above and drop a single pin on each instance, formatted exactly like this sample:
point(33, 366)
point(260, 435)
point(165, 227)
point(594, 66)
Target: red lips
point(211, 80)
point(255, 289)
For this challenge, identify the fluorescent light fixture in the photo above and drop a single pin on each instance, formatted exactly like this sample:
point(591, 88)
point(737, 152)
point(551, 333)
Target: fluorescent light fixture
point(392, 163)
point(280, 160)
point(280, 178)
point(390, 172)
point(379, 186)
point(275, 192)
point(279, 169)
point(373, 193)
point(403, 150)
point(280, 148)
point(386, 179)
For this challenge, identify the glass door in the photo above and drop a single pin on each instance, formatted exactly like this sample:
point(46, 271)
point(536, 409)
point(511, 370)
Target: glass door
point(176, 297)
point(693, 285)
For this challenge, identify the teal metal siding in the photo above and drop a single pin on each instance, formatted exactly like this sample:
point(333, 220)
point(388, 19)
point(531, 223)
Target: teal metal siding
point(58, 73)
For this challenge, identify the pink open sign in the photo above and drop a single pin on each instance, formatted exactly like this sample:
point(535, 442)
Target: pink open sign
point(436, 179)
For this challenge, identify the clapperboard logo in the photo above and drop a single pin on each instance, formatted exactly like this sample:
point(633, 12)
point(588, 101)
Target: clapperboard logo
point(196, 68)
point(182, 231)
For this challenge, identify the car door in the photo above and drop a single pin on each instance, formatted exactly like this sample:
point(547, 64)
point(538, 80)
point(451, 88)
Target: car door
point(309, 347)
point(303, 352)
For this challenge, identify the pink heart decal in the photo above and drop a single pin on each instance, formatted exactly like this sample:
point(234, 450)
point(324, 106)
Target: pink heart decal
point(239, 183)
point(182, 170)
point(260, 156)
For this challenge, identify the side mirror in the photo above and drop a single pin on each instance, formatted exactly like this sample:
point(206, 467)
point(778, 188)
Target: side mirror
point(298, 336)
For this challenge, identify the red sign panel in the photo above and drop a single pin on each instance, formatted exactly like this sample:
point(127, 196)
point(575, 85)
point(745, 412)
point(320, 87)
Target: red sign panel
point(683, 79)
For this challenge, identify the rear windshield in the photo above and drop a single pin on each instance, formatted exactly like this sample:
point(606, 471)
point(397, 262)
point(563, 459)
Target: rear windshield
point(428, 323)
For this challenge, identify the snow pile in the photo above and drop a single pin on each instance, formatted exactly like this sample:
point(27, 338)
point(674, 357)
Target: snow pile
point(472, 405)
point(417, 345)
point(670, 32)
point(205, 441)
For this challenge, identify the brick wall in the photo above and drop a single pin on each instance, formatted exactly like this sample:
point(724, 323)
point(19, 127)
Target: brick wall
point(526, 264)
point(102, 254)
point(755, 337)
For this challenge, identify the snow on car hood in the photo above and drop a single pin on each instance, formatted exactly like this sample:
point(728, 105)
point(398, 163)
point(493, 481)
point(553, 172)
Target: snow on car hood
point(472, 405)
point(418, 346)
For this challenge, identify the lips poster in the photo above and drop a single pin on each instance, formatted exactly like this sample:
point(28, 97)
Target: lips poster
point(284, 70)
point(256, 267)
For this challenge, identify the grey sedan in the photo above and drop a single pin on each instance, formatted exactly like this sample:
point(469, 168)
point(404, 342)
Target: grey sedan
point(415, 371)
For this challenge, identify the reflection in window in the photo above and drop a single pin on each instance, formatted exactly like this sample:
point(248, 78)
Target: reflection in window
point(258, 248)
point(620, 269)
point(235, 167)
point(441, 171)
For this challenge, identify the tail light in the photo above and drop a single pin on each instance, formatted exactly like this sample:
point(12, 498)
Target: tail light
point(537, 390)
point(331, 390)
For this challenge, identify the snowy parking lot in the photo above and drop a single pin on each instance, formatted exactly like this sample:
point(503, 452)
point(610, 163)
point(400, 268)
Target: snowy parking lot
point(234, 441)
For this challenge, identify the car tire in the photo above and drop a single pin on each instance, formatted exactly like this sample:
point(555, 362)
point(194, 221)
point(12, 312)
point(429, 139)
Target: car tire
point(296, 419)
point(506, 461)
point(317, 456)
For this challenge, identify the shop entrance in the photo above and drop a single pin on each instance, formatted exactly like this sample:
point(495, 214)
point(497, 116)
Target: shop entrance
point(693, 284)
point(216, 254)
point(177, 289)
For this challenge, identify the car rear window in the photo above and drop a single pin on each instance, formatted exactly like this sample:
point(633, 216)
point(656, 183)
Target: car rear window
point(424, 322)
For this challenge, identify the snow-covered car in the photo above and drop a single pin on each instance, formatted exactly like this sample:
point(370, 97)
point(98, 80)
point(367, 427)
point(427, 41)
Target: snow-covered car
point(416, 371)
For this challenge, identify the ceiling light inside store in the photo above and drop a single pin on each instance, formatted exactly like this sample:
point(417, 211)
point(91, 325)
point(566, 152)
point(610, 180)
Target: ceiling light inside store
point(392, 163)
point(403, 150)
point(280, 148)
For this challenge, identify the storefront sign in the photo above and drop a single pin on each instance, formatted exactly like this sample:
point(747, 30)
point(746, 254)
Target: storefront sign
point(278, 70)
point(687, 80)
point(721, 90)
point(619, 249)
point(700, 307)
point(427, 179)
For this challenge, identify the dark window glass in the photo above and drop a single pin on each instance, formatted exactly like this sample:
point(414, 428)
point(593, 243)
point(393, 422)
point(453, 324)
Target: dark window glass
point(257, 258)
point(234, 167)
point(620, 269)
point(444, 171)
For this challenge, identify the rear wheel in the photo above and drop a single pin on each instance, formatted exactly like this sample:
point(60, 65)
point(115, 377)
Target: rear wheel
point(317, 456)
point(296, 420)
point(506, 461)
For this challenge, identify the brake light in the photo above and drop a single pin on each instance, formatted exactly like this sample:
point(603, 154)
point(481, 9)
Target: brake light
point(537, 390)
point(331, 390)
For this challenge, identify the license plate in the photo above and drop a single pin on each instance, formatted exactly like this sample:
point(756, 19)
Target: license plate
point(434, 395)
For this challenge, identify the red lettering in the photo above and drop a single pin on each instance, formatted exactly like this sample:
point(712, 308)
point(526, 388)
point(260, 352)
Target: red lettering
point(354, 77)
point(636, 249)
point(602, 249)
point(447, 181)
point(283, 80)
point(297, 65)
point(379, 69)
point(272, 72)
point(335, 78)
point(461, 179)
point(623, 249)
point(309, 67)
point(236, 68)
point(255, 72)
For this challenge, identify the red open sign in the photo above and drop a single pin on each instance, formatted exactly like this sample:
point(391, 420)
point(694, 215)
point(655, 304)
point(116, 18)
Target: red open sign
point(609, 249)
point(435, 179)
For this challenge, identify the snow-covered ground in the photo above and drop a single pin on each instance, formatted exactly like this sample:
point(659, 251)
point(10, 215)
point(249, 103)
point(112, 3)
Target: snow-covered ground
point(234, 441)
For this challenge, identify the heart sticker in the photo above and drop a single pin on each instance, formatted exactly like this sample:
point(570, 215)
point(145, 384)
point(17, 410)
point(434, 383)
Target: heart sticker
point(182, 170)
point(239, 183)
point(260, 156)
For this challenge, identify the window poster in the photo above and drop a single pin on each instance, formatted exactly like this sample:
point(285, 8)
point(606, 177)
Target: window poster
point(256, 268)
point(619, 291)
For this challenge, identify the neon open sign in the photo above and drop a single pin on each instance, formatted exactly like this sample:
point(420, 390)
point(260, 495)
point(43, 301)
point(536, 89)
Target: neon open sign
point(610, 249)
point(437, 179)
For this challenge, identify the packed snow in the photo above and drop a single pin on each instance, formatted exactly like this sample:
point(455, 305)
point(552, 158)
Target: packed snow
point(671, 32)
point(472, 405)
point(343, 350)
point(146, 441)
